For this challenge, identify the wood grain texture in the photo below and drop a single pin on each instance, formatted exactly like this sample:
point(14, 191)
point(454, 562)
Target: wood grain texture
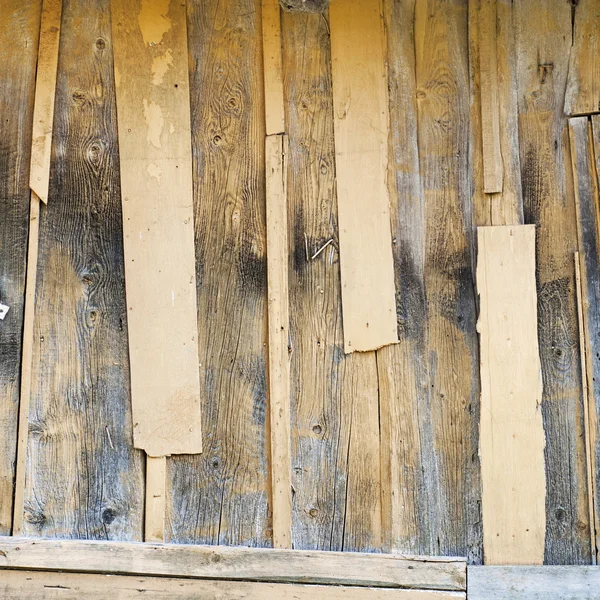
point(505, 208)
point(511, 435)
point(534, 583)
point(19, 32)
point(239, 564)
point(543, 39)
point(156, 493)
point(222, 496)
point(583, 84)
point(73, 586)
point(585, 182)
point(45, 88)
point(361, 124)
point(279, 329)
point(84, 479)
point(334, 399)
point(273, 67)
point(153, 110)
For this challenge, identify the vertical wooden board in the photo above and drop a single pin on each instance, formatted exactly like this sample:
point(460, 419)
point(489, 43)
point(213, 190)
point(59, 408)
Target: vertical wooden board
point(18, 55)
point(583, 84)
point(335, 446)
point(361, 124)
point(84, 479)
point(505, 208)
point(543, 32)
point(222, 496)
point(272, 66)
point(154, 514)
point(511, 434)
point(153, 109)
point(450, 395)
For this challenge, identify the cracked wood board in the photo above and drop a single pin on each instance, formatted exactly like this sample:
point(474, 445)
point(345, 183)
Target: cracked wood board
point(153, 109)
point(511, 431)
point(361, 120)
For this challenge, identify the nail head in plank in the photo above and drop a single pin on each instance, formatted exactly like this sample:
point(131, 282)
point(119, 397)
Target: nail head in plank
point(511, 431)
point(153, 109)
point(361, 121)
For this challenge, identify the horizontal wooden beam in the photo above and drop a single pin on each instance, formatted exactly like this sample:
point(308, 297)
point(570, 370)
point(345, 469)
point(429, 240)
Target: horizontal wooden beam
point(230, 563)
point(534, 583)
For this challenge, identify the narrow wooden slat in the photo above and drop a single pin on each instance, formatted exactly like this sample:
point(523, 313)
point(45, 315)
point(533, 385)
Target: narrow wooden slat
point(534, 583)
point(73, 586)
point(235, 563)
point(45, 88)
point(273, 67)
point(279, 362)
point(154, 518)
point(19, 30)
point(511, 445)
point(153, 109)
point(361, 141)
point(490, 108)
point(583, 85)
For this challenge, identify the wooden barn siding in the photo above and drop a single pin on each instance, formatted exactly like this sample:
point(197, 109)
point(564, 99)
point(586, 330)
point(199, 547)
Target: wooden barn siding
point(413, 407)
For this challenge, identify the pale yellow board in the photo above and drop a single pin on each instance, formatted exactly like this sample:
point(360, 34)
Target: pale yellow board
point(45, 88)
point(279, 357)
point(153, 108)
point(511, 431)
point(156, 481)
point(361, 149)
point(273, 67)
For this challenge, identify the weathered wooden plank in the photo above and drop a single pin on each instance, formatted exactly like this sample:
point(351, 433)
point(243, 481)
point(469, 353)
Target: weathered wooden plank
point(154, 512)
point(543, 33)
point(19, 32)
point(83, 477)
point(334, 398)
point(279, 328)
point(534, 583)
point(511, 434)
point(222, 496)
point(73, 586)
point(444, 398)
point(583, 84)
point(255, 564)
point(505, 208)
point(273, 67)
point(361, 126)
point(153, 110)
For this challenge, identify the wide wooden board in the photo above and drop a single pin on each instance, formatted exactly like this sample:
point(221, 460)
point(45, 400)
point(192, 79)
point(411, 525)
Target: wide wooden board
point(511, 442)
point(153, 109)
point(361, 124)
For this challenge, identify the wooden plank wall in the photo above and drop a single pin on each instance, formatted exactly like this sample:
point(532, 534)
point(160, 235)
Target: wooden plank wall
point(384, 445)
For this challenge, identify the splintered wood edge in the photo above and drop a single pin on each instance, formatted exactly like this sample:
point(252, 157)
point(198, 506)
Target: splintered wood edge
point(235, 563)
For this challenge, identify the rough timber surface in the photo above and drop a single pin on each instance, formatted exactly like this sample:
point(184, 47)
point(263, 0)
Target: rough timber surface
point(84, 479)
point(335, 437)
point(221, 496)
point(19, 29)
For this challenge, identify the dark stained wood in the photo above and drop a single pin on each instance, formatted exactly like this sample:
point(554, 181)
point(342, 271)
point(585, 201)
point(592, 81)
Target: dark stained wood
point(335, 436)
point(84, 479)
point(19, 30)
point(543, 43)
point(221, 496)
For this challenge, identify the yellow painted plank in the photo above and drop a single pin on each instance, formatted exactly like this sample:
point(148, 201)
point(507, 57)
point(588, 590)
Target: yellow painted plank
point(45, 87)
point(153, 109)
point(511, 432)
point(273, 66)
point(279, 362)
point(361, 147)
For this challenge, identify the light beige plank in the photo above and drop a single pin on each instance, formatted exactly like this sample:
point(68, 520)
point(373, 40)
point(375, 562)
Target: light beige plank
point(33, 585)
point(45, 87)
point(279, 326)
point(511, 431)
point(153, 109)
point(154, 519)
point(361, 147)
point(273, 67)
point(235, 563)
